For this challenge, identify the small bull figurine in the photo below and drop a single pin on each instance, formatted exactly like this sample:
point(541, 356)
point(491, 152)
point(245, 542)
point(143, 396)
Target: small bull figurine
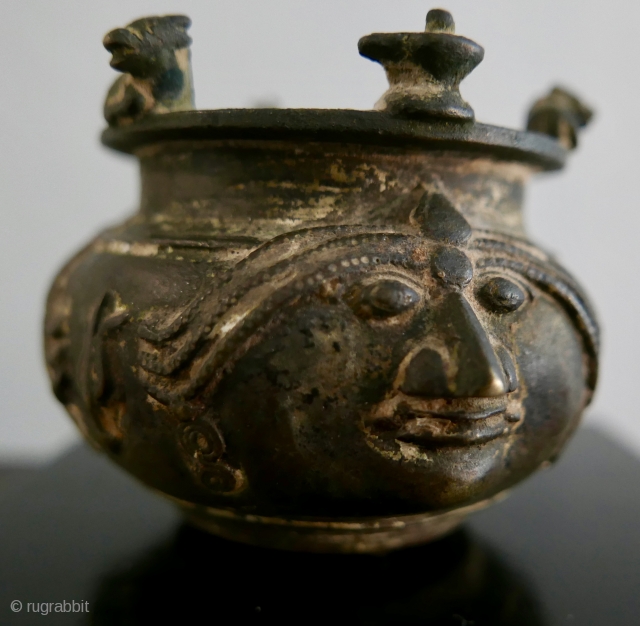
point(153, 54)
point(560, 115)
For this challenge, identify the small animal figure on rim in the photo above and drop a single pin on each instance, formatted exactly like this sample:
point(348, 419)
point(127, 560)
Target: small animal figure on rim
point(153, 54)
point(560, 115)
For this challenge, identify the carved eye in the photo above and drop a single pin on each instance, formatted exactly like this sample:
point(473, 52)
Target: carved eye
point(384, 299)
point(502, 295)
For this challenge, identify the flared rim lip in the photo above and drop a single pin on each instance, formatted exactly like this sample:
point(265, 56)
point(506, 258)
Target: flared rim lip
point(345, 126)
point(349, 523)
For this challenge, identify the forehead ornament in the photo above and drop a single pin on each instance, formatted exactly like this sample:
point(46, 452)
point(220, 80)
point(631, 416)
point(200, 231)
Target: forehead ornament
point(441, 221)
point(452, 267)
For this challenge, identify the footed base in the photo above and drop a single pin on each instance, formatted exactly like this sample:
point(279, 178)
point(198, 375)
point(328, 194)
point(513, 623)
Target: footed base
point(352, 535)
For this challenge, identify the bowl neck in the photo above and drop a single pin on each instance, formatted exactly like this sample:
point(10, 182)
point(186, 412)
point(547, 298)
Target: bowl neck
point(266, 188)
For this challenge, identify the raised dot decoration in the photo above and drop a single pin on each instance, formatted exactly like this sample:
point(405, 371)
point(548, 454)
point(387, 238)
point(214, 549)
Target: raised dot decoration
point(452, 267)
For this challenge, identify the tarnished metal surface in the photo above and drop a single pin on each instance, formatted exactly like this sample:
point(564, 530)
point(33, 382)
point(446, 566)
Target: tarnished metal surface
point(323, 345)
point(559, 115)
point(425, 69)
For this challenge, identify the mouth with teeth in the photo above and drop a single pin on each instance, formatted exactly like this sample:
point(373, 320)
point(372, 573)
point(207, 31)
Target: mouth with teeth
point(443, 422)
point(120, 54)
point(122, 45)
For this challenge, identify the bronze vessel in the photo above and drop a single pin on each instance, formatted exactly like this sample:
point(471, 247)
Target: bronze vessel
point(324, 330)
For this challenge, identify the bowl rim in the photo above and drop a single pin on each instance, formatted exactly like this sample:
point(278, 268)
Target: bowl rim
point(345, 126)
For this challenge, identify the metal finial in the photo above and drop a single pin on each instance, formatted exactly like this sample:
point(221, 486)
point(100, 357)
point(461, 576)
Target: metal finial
point(425, 69)
point(560, 115)
point(440, 21)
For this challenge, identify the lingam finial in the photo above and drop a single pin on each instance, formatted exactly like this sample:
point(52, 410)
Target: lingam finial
point(153, 54)
point(440, 21)
point(425, 69)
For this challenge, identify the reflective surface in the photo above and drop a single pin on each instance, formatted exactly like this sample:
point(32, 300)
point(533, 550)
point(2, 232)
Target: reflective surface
point(564, 549)
point(199, 576)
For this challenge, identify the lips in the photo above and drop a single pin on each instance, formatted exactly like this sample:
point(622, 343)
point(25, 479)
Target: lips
point(121, 43)
point(120, 54)
point(443, 423)
point(430, 430)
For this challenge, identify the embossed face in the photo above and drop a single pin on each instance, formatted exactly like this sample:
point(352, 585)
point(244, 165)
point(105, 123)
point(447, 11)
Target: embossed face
point(406, 375)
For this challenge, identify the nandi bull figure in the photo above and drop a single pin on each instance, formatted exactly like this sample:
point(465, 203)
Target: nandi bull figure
point(153, 54)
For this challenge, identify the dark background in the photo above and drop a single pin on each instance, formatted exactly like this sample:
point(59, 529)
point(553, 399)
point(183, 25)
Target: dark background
point(564, 548)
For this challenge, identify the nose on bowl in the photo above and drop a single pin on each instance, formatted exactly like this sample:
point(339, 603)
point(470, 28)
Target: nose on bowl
point(480, 372)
